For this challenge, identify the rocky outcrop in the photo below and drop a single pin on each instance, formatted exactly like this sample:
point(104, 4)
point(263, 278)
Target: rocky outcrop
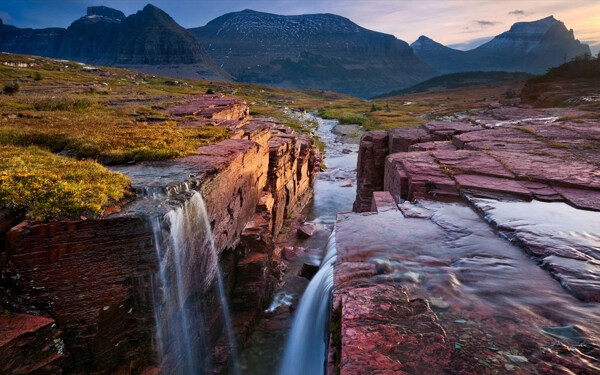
point(503, 153)
point(96, 277)
point(30, 345)
point(506, 152)
point(369, 168)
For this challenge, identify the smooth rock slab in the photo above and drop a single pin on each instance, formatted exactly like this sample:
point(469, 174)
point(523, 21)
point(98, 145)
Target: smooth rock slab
point(565, 239)
point(492, 302)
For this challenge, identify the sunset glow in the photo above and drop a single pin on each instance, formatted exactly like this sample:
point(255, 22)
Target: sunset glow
point(463, 24)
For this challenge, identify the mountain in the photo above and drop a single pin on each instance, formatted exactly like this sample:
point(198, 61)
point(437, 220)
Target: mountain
point(149, 40)
point(457, 80)
point(530, 47)
point(322, 51)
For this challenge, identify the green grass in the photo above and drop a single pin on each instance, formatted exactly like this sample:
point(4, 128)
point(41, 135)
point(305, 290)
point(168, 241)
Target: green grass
point(46, 186)
point(115, 116)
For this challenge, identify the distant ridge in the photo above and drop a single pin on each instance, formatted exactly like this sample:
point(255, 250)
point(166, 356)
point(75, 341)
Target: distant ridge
point(457, 80)
point(322, 51)
point(530, 47)
point(149, 40)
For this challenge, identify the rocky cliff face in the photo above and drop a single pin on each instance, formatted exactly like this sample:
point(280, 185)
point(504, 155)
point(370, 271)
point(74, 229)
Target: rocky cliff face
point(149, 40)
point(321, 51)
point(531, 47)
point(96, 278)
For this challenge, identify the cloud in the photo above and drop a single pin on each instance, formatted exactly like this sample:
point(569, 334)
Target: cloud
point(484, 23)
point(519, 13)
point(478, 25)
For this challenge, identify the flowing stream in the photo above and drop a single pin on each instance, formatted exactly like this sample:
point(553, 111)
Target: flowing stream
point(188, 258)
point(306, 349)
point(296, 343)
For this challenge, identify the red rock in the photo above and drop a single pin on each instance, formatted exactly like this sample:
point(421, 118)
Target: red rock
point(289, 253)
point(30, 344)
point(416, 174)
point(382, 202)
point(579, 198)
point(307, 230)
point(370, 168)
point(444, 130)
point(477, 185)
point(402, 138)
point(432, 146)
point(385, 333)
point(212, 107)
point(94, 276)
point(551, 170)
point(472, 162)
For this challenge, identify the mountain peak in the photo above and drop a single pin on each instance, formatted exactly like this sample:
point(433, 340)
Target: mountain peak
point(540, 26)
point(425, 42)
point(149, 8)
point(106, 12)
point(531, 47)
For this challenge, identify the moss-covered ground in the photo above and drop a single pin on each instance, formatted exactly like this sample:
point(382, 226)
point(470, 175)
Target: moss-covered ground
point(113, 116)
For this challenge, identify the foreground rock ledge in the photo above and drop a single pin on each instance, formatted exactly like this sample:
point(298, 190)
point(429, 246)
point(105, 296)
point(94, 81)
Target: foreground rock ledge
point(431, 288)
point(94, 277)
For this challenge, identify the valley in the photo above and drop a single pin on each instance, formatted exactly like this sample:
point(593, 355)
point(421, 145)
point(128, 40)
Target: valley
point(280, 194)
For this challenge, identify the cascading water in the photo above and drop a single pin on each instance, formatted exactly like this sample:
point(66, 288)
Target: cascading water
point(306, 349)
point(188, 265)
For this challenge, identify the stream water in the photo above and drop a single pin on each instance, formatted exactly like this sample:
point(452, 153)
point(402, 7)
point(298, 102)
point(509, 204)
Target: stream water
point(306, 348)
point(277, 345)
point(187, 255)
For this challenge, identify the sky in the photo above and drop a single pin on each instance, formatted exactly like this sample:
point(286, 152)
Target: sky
point(461, 24)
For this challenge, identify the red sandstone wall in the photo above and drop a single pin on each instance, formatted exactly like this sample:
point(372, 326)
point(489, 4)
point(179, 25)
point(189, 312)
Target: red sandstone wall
point(94, 277)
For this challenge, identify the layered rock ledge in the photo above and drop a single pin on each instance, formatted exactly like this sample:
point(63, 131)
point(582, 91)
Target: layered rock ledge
point(429, 287)
point(95, 276)
point(505, 153)
point(473, 248)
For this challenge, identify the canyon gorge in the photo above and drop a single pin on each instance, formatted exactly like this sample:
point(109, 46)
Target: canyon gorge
point(199, 202)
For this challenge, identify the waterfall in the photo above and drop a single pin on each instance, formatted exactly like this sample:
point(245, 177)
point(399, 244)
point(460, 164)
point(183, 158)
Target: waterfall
point(189, 265)
point(306, 348)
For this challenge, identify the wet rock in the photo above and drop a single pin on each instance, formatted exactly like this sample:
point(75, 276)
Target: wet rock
point(382, 265)
point(307, 230)
point(308, 270)
point(438, 303)
point(384, 332)
point(289, 252)
point(569, 332)
point(382, 202)
point(250, 184)
point(30, 345)
point(489, 298)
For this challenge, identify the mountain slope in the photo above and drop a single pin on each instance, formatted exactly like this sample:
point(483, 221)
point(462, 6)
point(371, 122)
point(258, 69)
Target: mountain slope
point(321, 51)
point(457, 80)
point(149, 40)
point(531, 47)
